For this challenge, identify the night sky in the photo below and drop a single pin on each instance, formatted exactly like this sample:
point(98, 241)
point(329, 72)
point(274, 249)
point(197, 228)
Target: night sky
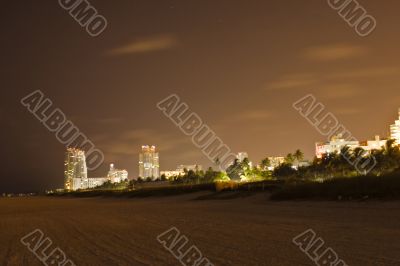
point(239, 65)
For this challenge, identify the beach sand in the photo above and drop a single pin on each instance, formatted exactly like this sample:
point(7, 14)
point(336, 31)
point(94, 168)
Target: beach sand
point(243, 231)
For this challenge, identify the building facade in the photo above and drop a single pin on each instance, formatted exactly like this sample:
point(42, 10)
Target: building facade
point(275, 162)
point(74, 167)
point(180, 170)
point(87, 183)
point(337, 143)
point(149, 165)
point(170, 174)
point(116, 176)
point(395, 131)
point(75, 172)
point(376, 144)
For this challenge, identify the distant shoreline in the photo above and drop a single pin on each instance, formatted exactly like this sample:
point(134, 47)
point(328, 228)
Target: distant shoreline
point(336, 189)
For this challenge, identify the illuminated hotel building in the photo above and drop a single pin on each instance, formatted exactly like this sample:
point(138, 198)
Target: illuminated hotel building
point(337, 143)
point(149, 163)
point(395, 130)
point(169, 174)
point(75, 172)
point(87, 183)
point(180, 170)
point(74, 167)
point(376, 144)
point(116, 175)
point(274, 162)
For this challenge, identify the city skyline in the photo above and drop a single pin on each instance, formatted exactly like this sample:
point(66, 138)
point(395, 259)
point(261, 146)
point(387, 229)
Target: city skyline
point(149, 166)
point(75, 169)
point(240, 69)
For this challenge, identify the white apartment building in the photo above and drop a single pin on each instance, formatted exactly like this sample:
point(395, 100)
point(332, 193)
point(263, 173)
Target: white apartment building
point(180, 170)
point(116, 176)
point(275, 162)
point(337, 143)
point(87, 183)
point(170, 174)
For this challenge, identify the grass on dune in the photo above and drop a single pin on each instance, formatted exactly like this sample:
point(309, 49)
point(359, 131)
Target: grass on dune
point(144, 192)
point(347, 188)
point(363, 187)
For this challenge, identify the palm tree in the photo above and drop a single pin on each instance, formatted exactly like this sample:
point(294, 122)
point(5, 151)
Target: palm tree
point(359, 152)
point(329, 163)
point(298, 155)
point(246, 163)
point(235, 170)
point(391, 156)
point(265, 163)
point(358, 157)
point(289, 159)
point(345, 162)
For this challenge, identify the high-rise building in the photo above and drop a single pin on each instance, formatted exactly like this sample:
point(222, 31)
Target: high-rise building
point(149, 165)
point(395, 130)
point(75, 172)
point(74, 167)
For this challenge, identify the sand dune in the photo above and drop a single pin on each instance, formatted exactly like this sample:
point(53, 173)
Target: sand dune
point(249, 231)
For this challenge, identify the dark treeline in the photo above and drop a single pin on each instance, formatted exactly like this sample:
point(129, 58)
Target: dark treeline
point(331, 165)
point(292, 168)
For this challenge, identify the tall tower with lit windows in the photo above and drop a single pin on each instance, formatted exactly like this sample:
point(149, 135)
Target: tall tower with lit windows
point(395, 130)
point(74, 168)
point(149, 165)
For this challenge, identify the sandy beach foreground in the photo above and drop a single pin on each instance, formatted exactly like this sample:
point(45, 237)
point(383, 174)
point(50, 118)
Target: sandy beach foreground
point(245, 231)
